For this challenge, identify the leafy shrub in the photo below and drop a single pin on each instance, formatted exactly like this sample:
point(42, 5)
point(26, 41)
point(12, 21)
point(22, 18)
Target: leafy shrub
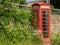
point(15, 27)
point(52, 7)
point(55, 39)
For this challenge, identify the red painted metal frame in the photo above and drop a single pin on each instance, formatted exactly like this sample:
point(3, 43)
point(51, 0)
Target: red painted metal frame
point(40, 10)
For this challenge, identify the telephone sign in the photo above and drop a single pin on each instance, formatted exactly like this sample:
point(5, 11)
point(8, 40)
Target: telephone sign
point(41, 19)
point(45, 7)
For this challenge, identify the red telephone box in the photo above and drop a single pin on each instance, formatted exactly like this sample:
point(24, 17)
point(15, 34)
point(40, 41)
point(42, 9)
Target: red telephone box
point(41, 19)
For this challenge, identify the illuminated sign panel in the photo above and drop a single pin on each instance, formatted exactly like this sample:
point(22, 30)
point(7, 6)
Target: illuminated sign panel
point(45, 7)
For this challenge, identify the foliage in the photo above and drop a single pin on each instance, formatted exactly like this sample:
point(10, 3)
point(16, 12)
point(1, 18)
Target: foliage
point(55, 39)
point(56, 12)
point(14, 1)
point(52, 7)
point(15, 24)
point(56, 3)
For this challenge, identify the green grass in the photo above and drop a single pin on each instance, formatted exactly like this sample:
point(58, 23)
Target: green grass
point(55, 39)
point(20, 43)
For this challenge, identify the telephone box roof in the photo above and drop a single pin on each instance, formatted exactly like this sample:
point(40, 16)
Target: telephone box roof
point(40, 3)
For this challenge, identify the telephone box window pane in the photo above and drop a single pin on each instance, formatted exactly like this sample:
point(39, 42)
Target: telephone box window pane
point(45, 13)
point(35, 27)
point(45, 32)
point(35, 13)
point(45, 35)
point(45, 18)
point(36, 6)
point(45, 23)
point(45, 28)
point(35, 22)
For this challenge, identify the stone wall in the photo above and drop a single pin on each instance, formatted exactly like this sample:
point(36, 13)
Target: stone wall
point(55, 23)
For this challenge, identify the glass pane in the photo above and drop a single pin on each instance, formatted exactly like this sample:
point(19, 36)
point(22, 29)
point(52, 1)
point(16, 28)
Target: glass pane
point(35, 13)
point(36, 7)
point(45, 32)
point(45, 35)
point(45, 23)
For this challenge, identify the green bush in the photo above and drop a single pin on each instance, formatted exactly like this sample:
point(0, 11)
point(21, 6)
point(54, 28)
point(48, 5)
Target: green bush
point(15, 27)
point(52, 7)
point(55, 39)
